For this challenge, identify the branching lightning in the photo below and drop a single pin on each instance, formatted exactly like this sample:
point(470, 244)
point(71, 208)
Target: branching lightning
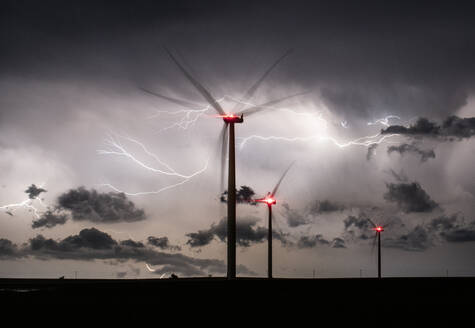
point(28, 203)
point(186, 117)
point(116, 148)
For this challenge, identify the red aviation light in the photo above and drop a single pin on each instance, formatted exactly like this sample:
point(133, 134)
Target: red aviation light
point(378, 229)
point(270, 201)
point(231, 118)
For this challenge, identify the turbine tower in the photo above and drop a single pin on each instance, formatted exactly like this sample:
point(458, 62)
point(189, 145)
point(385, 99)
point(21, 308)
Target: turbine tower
point(229, 118)
point(378, 229)
point(270, 200)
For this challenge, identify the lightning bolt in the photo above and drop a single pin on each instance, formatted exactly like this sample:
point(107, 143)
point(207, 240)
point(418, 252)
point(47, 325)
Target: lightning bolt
point(152, 270)
point(363, 141)
point(116, 148)
point(28, 203)
point(385, 120)
point(186, 117)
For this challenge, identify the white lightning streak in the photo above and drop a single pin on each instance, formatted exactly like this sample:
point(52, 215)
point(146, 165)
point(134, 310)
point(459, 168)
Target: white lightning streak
point(385, 120)
point(27, 203)
point(152, 270)
point(116, 148)
point(363, 141)
point(189, 116)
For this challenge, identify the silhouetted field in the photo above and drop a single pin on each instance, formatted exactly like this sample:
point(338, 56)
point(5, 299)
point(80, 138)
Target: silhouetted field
point(363, 295)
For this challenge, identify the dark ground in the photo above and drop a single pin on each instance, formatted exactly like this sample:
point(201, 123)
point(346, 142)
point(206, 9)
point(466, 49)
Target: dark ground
point(393, 299)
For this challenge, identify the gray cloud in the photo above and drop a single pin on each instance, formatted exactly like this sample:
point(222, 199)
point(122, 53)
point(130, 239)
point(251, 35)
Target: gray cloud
point(325, 206)
point(49, 219)
point(244, 195)
point(418, 239)
point(247, 233)
point(452, 128)
point(410, 197)
point(9, 250)
point(294, 217)
point(412, 148)
point(93, 206)
point(33, 191)
point(162, 243)
point(93, 244)
point(453, 228)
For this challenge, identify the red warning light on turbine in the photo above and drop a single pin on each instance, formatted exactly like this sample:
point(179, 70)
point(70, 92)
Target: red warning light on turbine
point(378, 229)
point(271, 201)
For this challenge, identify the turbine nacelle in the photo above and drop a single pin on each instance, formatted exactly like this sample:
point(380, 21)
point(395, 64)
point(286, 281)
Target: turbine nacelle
point(269, 200)
point(378, 229)
point(232, 118)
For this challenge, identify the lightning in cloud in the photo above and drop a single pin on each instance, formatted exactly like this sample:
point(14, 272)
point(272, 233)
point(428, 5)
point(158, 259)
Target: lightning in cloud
point(363, 141)
point(385, 120)
point(29, 203)
point(116, 148)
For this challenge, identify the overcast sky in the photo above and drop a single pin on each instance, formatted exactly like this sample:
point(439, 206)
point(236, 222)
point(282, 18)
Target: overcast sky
point(75, 122)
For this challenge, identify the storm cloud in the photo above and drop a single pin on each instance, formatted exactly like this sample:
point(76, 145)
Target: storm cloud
point(33, 191)
point(247, 233)
point(50, 219)
point(452, 128)
point(162, 243)
point(412, 148)
point(410, 197)
point(90, 205)
point(92, 244)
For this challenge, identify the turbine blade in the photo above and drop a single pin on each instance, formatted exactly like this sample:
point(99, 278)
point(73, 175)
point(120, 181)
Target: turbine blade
point(262, 107)
point(177, 101)
point(280, 180)
point(374, 225)
point(250, 93)
point(201, 89)
point(374, 243)
point(224, 147)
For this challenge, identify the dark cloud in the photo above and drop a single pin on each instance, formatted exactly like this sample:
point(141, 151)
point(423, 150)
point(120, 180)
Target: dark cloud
point(33, 191)
point(162, 243)
point(200, 238)
point(243, 196)
point(410, 197)
point(418, 239)
point(90, 205)
point(452, 128)
point(247, 233)
point(358, 227)
point(50, 219)
point(312, 241)
point(9, 250)
point(412, 148)
point(294, 217)
point(132, 243)
point(92, 244)
point(338, 243)
point(453, 228)
point(325, 206)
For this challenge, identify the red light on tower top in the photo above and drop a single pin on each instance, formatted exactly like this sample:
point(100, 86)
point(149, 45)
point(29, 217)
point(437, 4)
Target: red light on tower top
point(232, 118)
point(271, 201)
point(378, 229)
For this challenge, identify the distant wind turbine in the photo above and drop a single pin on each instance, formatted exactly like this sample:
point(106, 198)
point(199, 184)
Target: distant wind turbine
point(270, 200)
point(378, 229)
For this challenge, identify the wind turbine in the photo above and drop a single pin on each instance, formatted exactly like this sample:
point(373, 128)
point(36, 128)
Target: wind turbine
point(270, 200)
point(378, 229)
point(229, 118)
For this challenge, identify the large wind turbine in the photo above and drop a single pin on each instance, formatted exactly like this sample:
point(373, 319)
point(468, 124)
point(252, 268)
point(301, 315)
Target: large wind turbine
point(229, 118)
point(270, 200)
point(378, 229)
